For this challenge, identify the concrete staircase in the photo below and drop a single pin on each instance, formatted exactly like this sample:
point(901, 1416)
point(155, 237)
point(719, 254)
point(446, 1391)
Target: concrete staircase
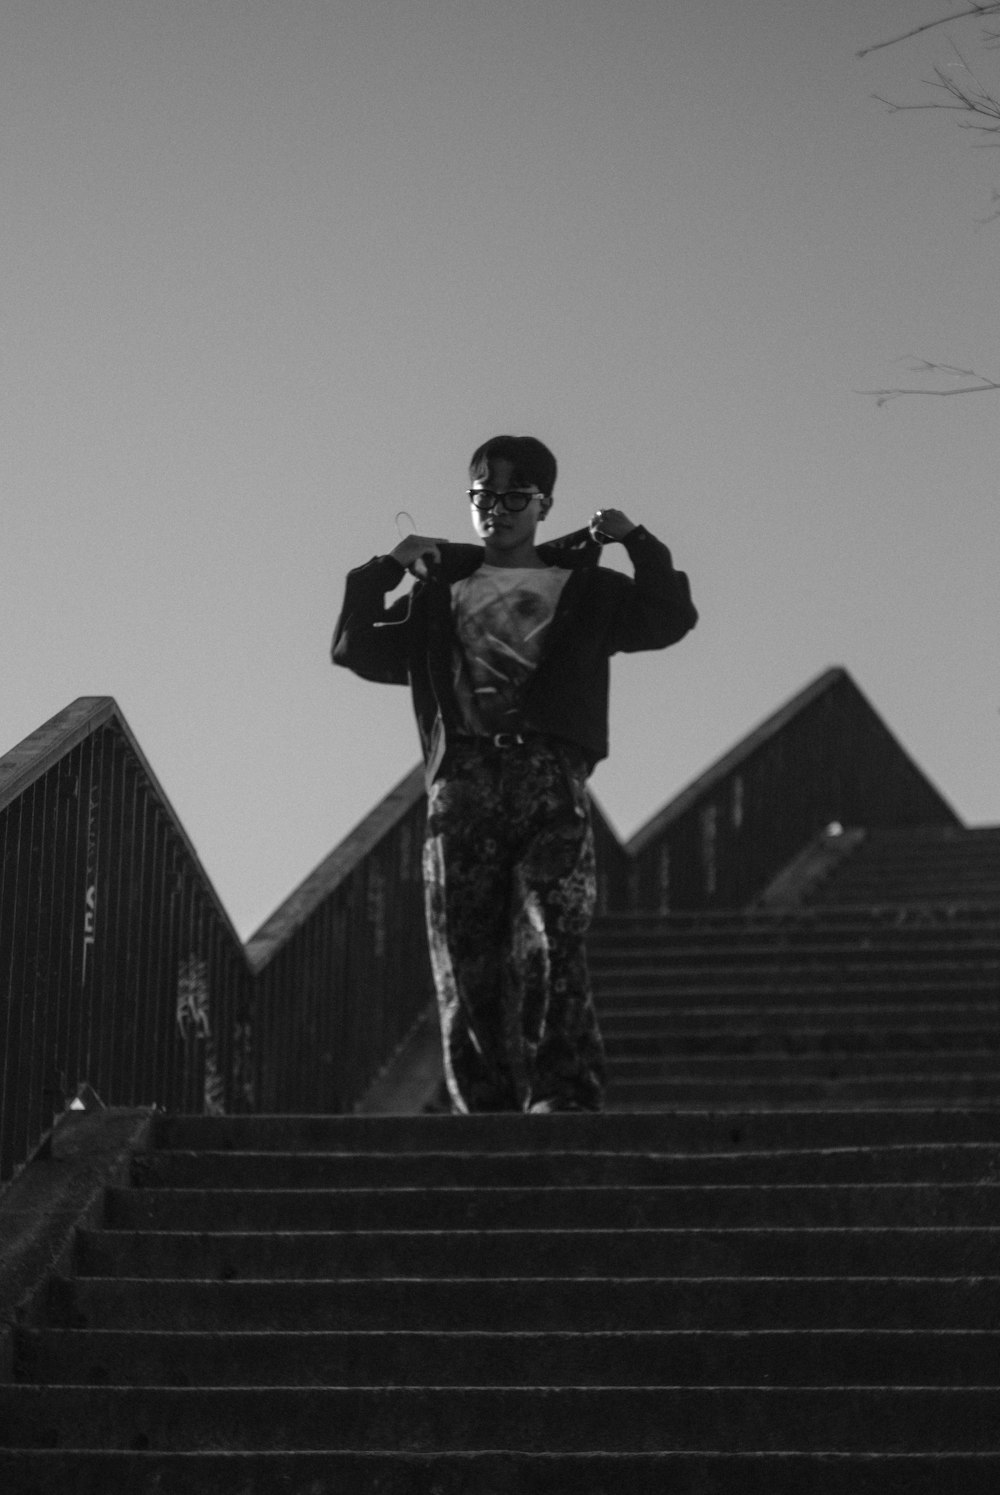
point(879, 986)
point(773, 1267)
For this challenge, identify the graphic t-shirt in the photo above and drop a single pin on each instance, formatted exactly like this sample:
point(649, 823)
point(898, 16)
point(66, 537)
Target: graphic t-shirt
point(501, 616)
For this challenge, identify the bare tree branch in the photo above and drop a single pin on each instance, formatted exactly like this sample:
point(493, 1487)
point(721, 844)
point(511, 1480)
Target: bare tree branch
point(965, 94)
point(971, 97)
point(923, 366)
point(987, 8)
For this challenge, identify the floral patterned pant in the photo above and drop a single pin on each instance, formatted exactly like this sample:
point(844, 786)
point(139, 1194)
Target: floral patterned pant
point(510, 888)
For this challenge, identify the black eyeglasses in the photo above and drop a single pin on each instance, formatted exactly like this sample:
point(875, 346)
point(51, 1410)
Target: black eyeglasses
point(514, 500)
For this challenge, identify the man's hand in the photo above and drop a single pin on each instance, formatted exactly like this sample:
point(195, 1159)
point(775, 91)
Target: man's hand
point(611, 524)
point(418, 553)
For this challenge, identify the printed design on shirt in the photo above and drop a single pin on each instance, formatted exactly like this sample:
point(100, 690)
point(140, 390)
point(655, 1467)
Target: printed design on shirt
point(501, 619)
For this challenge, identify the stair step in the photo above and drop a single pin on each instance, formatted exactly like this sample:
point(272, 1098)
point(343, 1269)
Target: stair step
point(676, 1129)
point(623, 1042)
point(886, 1066)
point(895, 949)
point(527, 1417)
point(663, 1015)
point(680, 1252)
point(826, 920)
point(976, 978)
point(647, 1206)
point(550, 1303)
point(800, 1251)
point(803, 996)
point(945, 1162)
point(944, 879)
point(687, 1357)
point(366, 1472)
point(937, 905)
point(949, 1091)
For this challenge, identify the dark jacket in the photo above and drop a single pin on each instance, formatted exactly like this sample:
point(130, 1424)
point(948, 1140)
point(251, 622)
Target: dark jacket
point(599, 614)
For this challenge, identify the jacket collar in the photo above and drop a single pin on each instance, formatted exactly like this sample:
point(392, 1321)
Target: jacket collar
point(571, 552)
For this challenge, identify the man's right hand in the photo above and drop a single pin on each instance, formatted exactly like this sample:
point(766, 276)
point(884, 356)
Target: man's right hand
point(417, 554)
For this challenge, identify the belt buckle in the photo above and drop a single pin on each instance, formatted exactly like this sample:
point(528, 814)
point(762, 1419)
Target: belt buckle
point(507, 739)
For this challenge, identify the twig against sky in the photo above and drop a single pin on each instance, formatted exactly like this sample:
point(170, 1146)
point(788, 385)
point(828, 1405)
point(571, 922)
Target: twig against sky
point(982, 385)
point(988, 8)
point(970, 97)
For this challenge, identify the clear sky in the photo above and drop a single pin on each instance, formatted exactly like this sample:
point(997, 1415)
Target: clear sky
point(273, 268)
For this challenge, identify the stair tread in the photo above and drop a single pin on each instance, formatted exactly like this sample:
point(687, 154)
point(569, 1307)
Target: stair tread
point(596, 1472)
point(525, 1416)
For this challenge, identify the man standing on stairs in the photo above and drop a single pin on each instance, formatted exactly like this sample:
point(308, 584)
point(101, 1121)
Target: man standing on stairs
point(505, 647)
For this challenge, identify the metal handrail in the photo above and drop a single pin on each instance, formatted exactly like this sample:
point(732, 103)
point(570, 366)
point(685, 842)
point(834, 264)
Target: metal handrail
point(48, 746)
point(120, 968)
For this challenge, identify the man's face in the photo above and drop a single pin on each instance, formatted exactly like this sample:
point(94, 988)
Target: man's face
point(501, 529)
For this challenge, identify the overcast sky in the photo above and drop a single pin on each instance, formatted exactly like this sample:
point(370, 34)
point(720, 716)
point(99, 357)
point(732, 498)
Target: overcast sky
point(273, 268)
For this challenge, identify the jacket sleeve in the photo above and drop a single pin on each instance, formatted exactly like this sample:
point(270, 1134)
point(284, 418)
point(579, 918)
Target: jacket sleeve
point(655, 608)
point(370, 638)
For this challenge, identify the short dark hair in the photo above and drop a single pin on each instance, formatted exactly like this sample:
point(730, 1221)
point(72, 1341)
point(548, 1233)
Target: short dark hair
point(532, 464)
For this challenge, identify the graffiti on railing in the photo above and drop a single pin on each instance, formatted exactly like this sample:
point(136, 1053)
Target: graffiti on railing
point(194, 1023)
point(192, 998)
point(90, 889)
point(89, 927)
